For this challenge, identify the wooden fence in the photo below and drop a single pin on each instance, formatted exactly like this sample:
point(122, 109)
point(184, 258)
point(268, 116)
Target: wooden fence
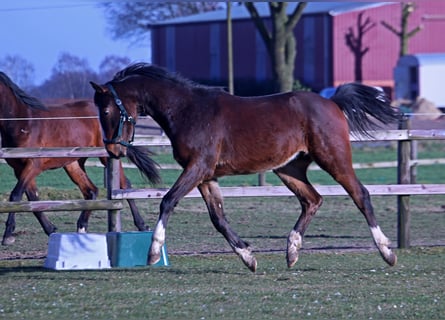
point(113, 203)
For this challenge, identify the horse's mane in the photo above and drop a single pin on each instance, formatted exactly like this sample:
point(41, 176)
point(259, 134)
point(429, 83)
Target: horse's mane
point(158, 73)
point(20, 94)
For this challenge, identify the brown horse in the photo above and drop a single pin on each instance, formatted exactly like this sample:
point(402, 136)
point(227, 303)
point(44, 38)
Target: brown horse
point(214, 134)
point(26, 122)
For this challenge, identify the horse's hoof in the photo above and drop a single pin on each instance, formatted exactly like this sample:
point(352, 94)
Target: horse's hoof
point(247, 257)
point(154, 253)
point(294, 243)
point(81, 230)
point(391, 259)
point(153, 259)
point(291, 258)
point(250, 263)
point(8, 241)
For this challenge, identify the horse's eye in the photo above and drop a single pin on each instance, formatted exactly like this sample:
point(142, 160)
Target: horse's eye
point(106, 112)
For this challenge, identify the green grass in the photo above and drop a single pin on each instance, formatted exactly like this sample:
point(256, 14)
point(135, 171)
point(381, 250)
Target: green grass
point(322, 286)
point(263, 222)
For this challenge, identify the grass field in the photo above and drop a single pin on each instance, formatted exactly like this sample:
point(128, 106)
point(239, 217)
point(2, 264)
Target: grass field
point(322, 286)
point(339, 275)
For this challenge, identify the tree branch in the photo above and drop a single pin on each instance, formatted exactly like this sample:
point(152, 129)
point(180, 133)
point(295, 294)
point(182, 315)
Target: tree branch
point(295, 16)
point(390, 27)
point(367, 25)
point(261, 27)
point(414, 31)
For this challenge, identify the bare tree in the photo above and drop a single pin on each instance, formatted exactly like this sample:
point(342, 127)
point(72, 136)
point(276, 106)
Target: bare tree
point(131, 20)
point(19, 69)
point(403, 34)
point(279, 40)
point(110, 65)
point(354, 40)
point(69, 79)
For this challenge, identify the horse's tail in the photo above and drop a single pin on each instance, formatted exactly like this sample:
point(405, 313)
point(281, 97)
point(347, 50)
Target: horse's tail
point(140, 156)
point(359, 102)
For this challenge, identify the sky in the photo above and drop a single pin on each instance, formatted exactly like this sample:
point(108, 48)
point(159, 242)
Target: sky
point(39, 30)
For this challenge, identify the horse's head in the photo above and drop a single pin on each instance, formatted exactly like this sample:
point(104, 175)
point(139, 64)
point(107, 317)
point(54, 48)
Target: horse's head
point(117, 114)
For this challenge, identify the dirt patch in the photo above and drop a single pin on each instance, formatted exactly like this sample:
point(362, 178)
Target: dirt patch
point(20, 255)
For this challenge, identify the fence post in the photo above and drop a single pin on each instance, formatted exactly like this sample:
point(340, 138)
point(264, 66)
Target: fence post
point(403, 177)
point(413, 168)
point(114, 219)
point(262, 179)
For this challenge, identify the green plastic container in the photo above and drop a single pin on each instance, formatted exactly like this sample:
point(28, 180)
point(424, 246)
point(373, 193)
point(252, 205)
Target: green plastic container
point(130, 249)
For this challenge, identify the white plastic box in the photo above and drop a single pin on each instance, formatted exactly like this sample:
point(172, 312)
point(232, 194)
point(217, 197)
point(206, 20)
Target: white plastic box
point(77, 251)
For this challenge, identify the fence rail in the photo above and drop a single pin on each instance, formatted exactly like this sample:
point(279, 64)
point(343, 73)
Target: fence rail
point(280, 191)
point(65, 205)
point(113, 203)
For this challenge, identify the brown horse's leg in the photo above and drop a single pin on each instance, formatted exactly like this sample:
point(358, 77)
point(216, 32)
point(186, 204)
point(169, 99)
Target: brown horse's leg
point(294, 177)
point(188, 180)
point(32, 195)
point(8, 235)
point(137, 218)
point(212, 196)
point(338, 164)
point(78, 175)
point(362, 200)
point(25, 185)
point(126, 184)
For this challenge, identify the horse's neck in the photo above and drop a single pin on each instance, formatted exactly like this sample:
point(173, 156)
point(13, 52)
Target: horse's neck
point(167, 110)
point(164, 121)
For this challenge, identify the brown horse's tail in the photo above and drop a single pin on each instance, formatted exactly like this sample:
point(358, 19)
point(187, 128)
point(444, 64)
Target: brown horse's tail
point(359, 102)
point(140, 156)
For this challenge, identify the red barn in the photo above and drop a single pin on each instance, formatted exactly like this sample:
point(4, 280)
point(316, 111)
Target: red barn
point(196, 46)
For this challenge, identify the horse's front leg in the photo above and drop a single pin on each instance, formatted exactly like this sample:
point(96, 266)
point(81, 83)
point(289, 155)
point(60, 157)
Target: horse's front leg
point(212, 196)
point(16, 195)
point(188, 180)
point(76, 171)
point(294, 177)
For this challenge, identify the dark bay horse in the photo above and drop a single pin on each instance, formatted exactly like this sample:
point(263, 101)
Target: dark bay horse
point(214, 134)
point(26, 122)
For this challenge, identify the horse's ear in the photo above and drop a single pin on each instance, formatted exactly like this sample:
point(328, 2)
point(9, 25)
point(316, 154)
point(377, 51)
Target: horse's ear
point(98, 88)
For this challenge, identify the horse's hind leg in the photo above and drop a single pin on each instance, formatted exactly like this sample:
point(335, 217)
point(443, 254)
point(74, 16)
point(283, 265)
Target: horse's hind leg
point(212, 196)
point(294, 177)
point(361, 198)
point(78, 175)
point(339, 166)
point(137, 218)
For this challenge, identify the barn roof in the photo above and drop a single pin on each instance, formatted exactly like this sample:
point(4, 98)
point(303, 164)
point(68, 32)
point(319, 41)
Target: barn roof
point(240, 12)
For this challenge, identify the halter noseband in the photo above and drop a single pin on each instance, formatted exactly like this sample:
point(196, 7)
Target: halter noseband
point(124, 117)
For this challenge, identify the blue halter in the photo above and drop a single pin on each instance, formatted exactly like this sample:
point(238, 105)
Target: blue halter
point(124, 117)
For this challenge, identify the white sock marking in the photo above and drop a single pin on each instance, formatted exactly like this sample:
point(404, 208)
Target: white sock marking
point(245, 254)
point(81, 230)
point(294, 241)
point(158, 237)
point(381, 241)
